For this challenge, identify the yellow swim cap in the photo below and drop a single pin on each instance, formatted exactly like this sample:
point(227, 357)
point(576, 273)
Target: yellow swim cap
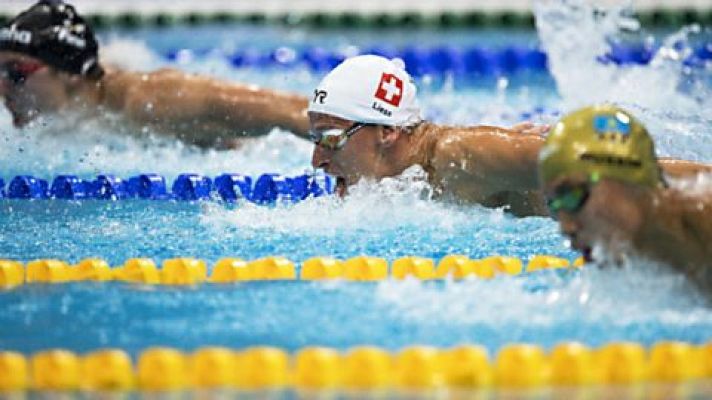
point(601, 141)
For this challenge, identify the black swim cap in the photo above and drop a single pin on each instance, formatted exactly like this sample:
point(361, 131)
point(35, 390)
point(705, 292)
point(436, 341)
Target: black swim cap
point(54, 33)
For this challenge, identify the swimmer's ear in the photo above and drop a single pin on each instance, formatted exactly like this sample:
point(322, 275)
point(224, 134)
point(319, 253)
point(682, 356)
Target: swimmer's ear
point(389, 135)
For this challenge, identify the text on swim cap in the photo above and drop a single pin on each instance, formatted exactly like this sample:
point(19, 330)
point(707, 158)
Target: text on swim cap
point(380, 109)
point(64, 35)
point(319, 96)
point(611, 160)
point(390, 89)
point(12, 35)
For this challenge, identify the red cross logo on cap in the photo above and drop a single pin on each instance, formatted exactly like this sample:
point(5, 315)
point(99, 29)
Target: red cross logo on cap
point(390, 89)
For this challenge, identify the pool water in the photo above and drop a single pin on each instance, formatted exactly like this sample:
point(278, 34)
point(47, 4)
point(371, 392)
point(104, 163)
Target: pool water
point(390, 219)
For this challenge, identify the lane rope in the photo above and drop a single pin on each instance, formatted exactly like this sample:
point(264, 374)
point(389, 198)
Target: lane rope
point(368, 368)
point(435, 61)
point(229, 187)
point(193, 271)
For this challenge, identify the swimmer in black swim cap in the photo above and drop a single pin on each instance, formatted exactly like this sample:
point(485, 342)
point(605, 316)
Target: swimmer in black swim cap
point(604, 184)
point(49, 64)
point(53, 33)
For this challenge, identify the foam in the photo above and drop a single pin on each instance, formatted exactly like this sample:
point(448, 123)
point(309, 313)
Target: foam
point(672, 100)
point(595, 295)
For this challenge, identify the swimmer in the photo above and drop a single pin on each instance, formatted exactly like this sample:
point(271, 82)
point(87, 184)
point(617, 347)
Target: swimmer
point(49, 65)
point(365, 122)
point(603, 183)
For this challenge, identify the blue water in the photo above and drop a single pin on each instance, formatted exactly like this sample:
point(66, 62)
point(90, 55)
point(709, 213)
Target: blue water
point(389, 219)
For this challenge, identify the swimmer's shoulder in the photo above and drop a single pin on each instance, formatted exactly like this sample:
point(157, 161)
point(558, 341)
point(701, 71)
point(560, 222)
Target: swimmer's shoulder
point(461, 140)
point(455, 148)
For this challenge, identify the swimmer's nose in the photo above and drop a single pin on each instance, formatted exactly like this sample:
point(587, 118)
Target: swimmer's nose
point(321, 157)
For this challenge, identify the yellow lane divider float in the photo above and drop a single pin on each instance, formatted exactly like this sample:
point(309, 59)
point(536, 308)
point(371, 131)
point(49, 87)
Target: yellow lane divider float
point(516, 366)
point(191, 271)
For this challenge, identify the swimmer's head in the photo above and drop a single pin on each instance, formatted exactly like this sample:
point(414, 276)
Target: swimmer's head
point(598, 142)
point(52, 32)
point(358, 114)
point(593, 164)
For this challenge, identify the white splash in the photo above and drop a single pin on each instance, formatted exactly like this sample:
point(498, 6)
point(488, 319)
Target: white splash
point(592, 294)
point(671, 98)
point(128, 54)
point(372, 207)
point(89, 148)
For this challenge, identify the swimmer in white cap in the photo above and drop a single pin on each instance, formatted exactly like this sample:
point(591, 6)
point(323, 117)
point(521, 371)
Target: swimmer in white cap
point(49, 65)
point(365, 122)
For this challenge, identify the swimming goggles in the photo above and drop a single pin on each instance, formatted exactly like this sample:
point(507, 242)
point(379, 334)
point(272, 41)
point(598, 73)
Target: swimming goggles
point(17, 72)
point(568, 198)
point(335, 139)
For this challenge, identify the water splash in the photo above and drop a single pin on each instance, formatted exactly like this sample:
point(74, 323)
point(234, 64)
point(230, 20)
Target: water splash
point(114, 50)
point(88, 148)
point(673, 99)
point(576, 35)
point(396, 203)
point(596, 296)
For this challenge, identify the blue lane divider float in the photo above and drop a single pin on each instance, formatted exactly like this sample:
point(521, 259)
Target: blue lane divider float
point(231, 187)
point(437, 60)
point(108, 187)
point(265, 189)
point(192, 187)
point(28, 187)
point(418, 60)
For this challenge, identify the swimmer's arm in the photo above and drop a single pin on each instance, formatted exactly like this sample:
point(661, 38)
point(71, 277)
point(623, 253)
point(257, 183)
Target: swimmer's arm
point(682, 168)
point(200, 109)
point(496, 159)
point(254, 111)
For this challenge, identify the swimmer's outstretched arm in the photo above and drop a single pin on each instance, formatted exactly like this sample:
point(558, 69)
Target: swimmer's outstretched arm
point(202, 110)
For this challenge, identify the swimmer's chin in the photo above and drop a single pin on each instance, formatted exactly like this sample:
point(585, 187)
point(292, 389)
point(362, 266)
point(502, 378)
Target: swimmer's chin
point(587, 253)
point(21, 119)
point(341, 186)
point(19, 122)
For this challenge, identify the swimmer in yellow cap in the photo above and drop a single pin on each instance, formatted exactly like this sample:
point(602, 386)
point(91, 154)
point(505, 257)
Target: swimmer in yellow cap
point(604, 184)
point(49, 65)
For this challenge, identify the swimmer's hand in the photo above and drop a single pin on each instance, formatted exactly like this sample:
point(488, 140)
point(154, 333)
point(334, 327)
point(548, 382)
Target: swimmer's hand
point(529, 128)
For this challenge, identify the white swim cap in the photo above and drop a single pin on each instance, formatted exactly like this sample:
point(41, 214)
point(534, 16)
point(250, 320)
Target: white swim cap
point(369, 89)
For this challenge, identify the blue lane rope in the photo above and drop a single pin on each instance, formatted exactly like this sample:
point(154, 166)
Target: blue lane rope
point(421, 61)
point(230, 187)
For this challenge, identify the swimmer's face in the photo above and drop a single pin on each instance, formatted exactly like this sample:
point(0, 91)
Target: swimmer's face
point(29, 87)
point(605, 213)
point(361, 156)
